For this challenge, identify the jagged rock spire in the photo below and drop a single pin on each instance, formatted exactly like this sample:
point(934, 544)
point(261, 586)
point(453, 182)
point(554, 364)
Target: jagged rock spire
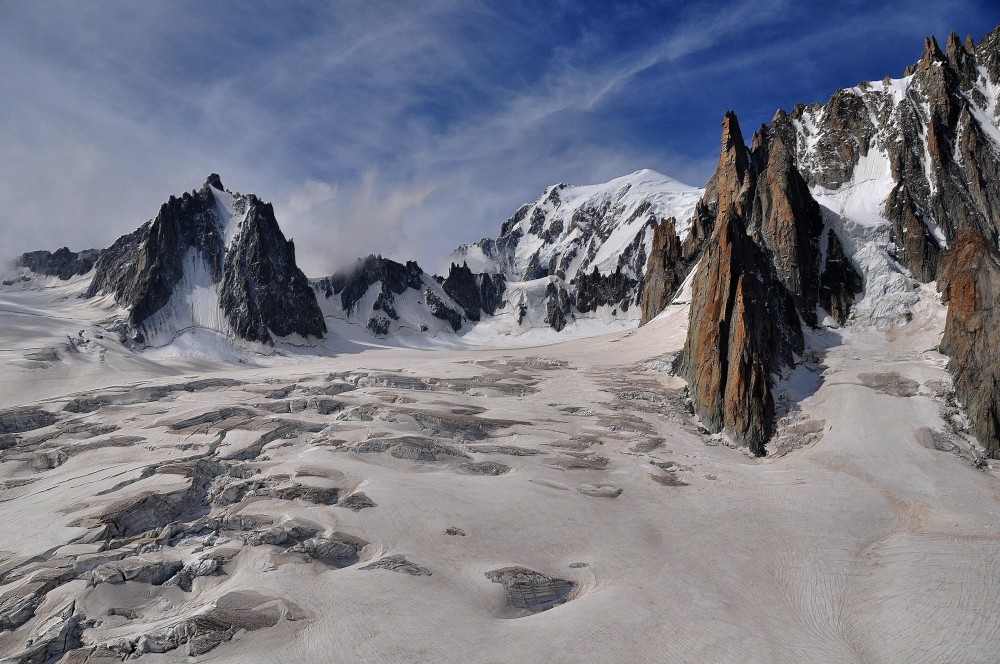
point(213, 180)
point(744, 326)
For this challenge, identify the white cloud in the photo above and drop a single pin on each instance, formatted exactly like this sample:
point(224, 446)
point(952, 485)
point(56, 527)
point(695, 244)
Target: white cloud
point(335, 225)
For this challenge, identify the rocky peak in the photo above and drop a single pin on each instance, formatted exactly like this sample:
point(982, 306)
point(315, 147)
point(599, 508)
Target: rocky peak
point(988, 54)
point(210, 244)
point(475, 293)
point(962, 59)
point(785, 218)
point(932, 54)
point(263, 292)
point(734, 150)
point(733, 163)
point(352, 283)
point(754, 268)
point(887, 182)
point(385, 295)
point(214, 181)
point(666, 270)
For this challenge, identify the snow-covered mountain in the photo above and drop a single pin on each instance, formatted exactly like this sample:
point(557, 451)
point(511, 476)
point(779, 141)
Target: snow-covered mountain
point(580, 251)
point(386, 297)
point(901, 166)
point(211, 260)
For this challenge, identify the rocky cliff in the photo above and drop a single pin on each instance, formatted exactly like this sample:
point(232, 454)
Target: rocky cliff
point(970, 338)
point(210, 259)
point(756, 273)
point(848, 206)
point(477, 294)
point(666, 269)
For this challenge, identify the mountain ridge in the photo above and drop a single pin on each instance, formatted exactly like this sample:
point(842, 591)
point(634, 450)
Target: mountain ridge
point(897, 171)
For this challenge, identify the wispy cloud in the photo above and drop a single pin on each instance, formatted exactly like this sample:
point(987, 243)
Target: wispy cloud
point(398, 128)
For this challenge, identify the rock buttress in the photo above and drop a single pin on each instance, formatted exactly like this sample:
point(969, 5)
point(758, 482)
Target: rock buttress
point(756, 266)
point(665, 270)
point(973, 291)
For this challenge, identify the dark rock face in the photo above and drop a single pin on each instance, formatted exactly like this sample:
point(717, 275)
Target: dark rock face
point(529, 591)
point(475, 293)
point(263, 291)
point(260, 288)
point(785, 220)
point(557, 306)
point(395, 279)
point(61, 263)
point(744, 325)
point(839, 282)
point(616, 289)
point(439, 309)
point(666, 270)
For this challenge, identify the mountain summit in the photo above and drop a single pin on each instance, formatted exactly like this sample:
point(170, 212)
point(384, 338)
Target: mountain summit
point(210, 259)
point(580, 251)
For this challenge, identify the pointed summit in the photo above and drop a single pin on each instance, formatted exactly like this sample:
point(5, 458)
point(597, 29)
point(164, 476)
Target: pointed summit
point(733, 164)
point(953, 44)
point(252, 287)
point(932, 52)
point(213, 180)
point(734, 150)
point(962, 59)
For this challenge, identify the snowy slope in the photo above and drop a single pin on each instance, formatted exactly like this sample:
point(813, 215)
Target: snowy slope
point(573, 229)
point(892, 130)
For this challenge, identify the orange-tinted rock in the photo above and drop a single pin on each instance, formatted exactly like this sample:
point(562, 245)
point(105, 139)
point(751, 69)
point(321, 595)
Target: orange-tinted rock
point(970, 336)
point(759, 262)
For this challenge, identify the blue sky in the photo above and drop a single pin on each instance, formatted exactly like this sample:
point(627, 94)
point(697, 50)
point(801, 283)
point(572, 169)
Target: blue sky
point(402, 128)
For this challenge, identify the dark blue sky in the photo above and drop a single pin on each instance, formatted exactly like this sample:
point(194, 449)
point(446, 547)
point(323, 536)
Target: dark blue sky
point(404, 128)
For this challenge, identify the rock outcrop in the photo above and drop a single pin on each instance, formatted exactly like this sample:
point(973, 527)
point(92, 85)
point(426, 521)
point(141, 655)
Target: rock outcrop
point(263, 292)
point(386, 296)
point(61, 263)
point(665, 270)
point(747, 288)
point(210, 259)
point(477, 294)
point(973, 291)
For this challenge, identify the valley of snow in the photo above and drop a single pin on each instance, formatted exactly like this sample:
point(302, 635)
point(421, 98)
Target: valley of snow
point(455, 501)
